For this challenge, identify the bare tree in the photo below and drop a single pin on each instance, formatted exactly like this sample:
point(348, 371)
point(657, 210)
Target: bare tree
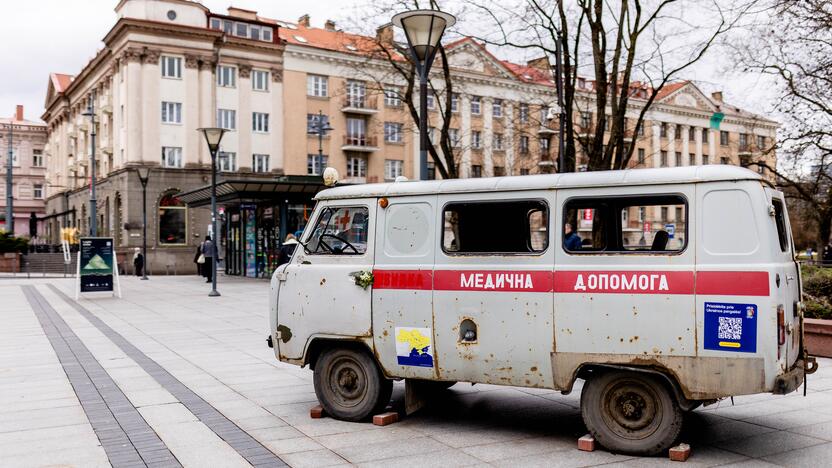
point(792, 42)
point(630, 49)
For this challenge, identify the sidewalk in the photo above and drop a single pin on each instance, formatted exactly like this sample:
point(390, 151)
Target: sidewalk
point(171, 377)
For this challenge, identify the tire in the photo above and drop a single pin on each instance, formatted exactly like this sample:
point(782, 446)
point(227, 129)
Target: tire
point(349, 384)
point(631, 412)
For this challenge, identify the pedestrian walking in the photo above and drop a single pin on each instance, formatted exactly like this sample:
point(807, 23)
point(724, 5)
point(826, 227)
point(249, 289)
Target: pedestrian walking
point(199, 259)
point(138, 261)
point(287, 249)
point(209, 253)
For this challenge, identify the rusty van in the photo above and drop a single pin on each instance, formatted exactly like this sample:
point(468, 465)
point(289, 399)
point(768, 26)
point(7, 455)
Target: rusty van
point(662, 289)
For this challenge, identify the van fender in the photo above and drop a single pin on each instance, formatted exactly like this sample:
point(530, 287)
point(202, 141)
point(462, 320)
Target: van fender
point(585, 371)
point(317, 343)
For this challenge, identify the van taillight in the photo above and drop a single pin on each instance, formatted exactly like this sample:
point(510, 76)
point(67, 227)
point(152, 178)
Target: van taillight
point(781, 328)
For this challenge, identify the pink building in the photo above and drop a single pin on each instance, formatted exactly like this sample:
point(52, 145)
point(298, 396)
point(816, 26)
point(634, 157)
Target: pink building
point(28, 139)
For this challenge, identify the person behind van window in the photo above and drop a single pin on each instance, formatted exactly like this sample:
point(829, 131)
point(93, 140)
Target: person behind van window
point(571, 240)
point(287, 249)
point(209, 251)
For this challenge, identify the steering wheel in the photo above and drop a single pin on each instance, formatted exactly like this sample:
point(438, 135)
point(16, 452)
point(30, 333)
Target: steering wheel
point(344, 241)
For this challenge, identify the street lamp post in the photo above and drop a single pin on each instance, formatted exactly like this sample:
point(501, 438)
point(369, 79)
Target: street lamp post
point(423, 30)
point(144, 175)
point(9, 182)
point(213, 136)
point(320, 129)
point(93, 202)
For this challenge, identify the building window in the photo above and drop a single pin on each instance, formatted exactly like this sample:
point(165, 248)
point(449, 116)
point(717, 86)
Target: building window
point(705, 159)
point(171, 67)
point(691, 133)
point(431, 100)
point(259, 80)
point(392, 97)
point(724, 160)
point(172, 112)
point(524, 145)
point(524, 171)
point(663, 161)
point(454, 102)
point(316, 85)
point(677, 135)
point(315, 164)
point(586, 119)
point(544, 145)
point(640, 156)
point(761, 142)
point(393, 168)
point(663, 130)
point(760, 170)
point(678, 160)
point(641, 129)
point(453, 135)
point(260, 122)
point(497, 108)
point(312, 123)
point(392, 132)
point(476, 139)
point(227, 119)
point(242, 30)
point(226, 161)
point(356, 167)
point(171, 157)
point(260, 162)
point(476, 171)
point(691, 160)
point(743, 141)
point(37, 158)
point(524, 112)
point(356, 92)
point(37, 191)
point(226, 76)
point(173, 219)
point(476, 104)
point(431, 170)
point(498, 142)
point(705, 133)
point(499, 171)
point(524, 229)
point(723, 138)
point(216, 23)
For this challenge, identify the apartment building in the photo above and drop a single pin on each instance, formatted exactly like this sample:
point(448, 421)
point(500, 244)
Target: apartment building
point(169, 67)
point(27, 139)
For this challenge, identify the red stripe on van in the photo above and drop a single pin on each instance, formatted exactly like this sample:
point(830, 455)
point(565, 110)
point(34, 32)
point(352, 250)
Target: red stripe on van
point(493, 280)
point(624, 282)
point(732, 283)
point(403, 279)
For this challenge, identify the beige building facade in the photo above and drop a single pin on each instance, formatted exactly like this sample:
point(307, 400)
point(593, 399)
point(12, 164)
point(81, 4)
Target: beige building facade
point(28, 139)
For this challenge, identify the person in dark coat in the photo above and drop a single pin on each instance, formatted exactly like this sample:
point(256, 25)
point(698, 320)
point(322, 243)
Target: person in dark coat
point(196, 260)
point(138, 262)
point(209, 250)
point(287, 249)
point(571, 240)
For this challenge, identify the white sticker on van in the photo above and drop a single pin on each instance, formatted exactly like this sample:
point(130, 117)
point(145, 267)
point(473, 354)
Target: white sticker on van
point(414, 346)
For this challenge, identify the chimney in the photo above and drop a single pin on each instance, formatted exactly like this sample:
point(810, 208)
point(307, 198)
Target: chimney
point(717, 96)
point(18, 113)
point(384, 34)
point(540, 63)
point(304, 21)
point(329, 25)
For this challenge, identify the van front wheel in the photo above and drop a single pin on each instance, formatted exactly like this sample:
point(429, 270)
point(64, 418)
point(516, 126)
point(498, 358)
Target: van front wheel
point(631, 412)
point(350, 385)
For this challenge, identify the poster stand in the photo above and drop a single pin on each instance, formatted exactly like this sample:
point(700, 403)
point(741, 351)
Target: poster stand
point(100, 270)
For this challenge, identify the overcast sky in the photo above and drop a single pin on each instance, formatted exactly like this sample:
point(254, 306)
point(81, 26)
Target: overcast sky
point(43, 36)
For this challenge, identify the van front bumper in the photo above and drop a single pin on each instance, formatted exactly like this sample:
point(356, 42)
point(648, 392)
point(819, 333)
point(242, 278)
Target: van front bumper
point(792, 379)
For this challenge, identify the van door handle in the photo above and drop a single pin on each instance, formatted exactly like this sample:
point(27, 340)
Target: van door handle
point(789, 278)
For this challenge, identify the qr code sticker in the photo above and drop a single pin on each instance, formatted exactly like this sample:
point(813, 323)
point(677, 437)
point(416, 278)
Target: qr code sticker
point(730, 328)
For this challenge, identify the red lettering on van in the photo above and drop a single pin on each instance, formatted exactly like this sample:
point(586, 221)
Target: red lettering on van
point(478, 280)
point(624, 282)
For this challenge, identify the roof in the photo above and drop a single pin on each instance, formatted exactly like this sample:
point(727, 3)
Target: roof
point(320, 38)
point(674, 175)
point(60, 81)
point(296, 188)
point(12, 120)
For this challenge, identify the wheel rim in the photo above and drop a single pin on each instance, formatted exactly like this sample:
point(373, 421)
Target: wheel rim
point(631, 409)
point(348, 382)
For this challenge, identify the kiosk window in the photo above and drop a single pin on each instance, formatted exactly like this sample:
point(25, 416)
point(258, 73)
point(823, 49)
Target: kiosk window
point(504, 227)
point(340, 231)
point(645, 224)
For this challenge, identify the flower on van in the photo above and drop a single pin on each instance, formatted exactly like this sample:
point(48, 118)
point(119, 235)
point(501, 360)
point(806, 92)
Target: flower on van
point(363, 278)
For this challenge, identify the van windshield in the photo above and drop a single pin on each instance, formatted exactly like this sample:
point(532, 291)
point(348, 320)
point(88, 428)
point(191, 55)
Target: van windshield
point(340, 231)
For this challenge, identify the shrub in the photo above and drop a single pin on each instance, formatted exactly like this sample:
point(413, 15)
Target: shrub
point(817, 292)
point(10, 243)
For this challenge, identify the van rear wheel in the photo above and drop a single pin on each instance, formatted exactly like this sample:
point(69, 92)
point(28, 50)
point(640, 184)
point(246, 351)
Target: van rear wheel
point(349, 384)
point(631, 412)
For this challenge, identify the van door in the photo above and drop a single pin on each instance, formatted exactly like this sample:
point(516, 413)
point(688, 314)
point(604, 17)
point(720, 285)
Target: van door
point(788, 272)
point(402, 289)
point(624, 279)
point(319, 296)
point(493, 288)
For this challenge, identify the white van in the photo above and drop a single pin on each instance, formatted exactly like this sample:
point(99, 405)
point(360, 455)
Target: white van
point(662, 288)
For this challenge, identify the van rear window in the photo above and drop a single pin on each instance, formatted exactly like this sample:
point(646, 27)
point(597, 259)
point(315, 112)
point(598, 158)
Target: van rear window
point(780, 219)
point(496, 227)
point(639, 224)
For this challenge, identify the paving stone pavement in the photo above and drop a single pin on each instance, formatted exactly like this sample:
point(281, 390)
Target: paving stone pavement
point(214, 348)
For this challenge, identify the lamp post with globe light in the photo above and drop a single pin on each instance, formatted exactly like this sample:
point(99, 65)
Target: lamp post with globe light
point(213, 136)
point(144, 175)
point(423, 30)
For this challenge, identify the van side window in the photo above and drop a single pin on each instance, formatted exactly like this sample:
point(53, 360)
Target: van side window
point(503, 227)
point(779, 218)
point(340, 230)
point(639, 224)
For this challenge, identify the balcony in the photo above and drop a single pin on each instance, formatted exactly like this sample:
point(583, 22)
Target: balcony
point(359, 105)
point(547, 129)
point(546, 159)
point(744, 151)
point(363, 143)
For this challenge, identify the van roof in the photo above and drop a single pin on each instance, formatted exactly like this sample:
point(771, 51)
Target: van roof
point(659, 176)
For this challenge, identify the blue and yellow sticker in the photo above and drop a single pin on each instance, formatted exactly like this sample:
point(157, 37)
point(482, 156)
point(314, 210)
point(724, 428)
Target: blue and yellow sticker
point(731, 327)
point(414, 346)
